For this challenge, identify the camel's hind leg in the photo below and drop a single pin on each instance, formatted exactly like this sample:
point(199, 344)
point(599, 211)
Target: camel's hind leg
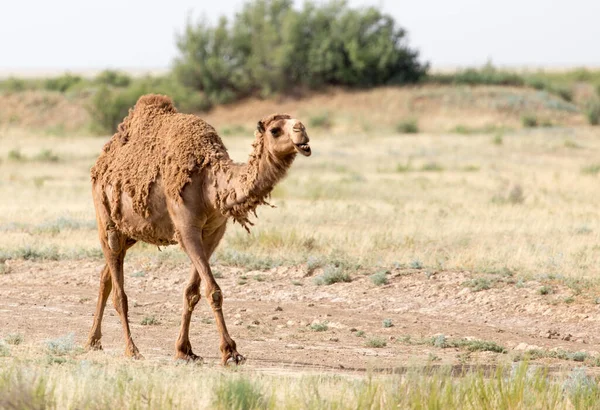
point(191, 297)
point(105, 288)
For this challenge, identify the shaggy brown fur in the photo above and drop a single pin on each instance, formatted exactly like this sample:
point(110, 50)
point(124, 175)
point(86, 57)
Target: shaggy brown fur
point(166, 178)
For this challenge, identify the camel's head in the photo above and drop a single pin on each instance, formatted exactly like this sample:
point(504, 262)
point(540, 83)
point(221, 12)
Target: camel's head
point(284, 135)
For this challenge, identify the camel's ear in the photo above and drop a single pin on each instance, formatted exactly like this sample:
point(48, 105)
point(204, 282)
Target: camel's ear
point(260, 127)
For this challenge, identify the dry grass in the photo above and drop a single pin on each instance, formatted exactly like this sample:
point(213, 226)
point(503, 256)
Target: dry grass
point(72, 383)
point(349, 206)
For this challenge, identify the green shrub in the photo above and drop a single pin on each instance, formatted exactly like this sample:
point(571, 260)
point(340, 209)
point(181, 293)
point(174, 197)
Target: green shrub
point(379, 278)
point(319, 327)
point(332, 274)
point(61, 346)
point(320, 121)
point(62, 83)
point(387, 323)
point(14, 339)
point(270, 47)
point(113, 78)
point(13, 84)
point(592, 169)
point(409, 126)
point(376, 342)
point(110, 105)
point(529, 121)
point(592, 112)
point(149, 321)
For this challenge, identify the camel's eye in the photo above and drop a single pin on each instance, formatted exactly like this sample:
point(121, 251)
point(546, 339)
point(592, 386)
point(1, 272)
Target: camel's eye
point(276, 132)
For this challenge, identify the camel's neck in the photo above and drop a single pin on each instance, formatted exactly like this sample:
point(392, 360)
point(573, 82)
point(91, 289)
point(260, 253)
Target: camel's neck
point(243, 187)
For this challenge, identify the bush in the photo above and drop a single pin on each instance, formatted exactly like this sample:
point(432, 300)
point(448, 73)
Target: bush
point(409, 126)
point(332, 274)
point(113, 78)
point(270, 47)
point(379, 278)
point(110, 105)
point(529, 121)
point(486, 75)
point(62, 83)
point(592, 112)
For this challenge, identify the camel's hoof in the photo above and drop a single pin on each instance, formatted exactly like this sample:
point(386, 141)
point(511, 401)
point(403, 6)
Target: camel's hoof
point(134, 354)
point(93, 345)
point(235, 358)
point(191, 357)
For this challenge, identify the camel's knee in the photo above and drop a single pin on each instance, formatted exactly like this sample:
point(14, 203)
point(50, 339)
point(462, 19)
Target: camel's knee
point(120, 302)
point(215, 298)
point(192, 296)
point(114, 239)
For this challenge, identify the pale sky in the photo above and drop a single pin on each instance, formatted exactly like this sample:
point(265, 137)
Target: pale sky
point(80, 34)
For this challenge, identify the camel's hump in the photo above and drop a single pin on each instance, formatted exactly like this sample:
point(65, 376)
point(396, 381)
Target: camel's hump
point(158, 101)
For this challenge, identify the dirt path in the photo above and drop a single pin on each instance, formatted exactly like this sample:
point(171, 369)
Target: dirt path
point(269, 315)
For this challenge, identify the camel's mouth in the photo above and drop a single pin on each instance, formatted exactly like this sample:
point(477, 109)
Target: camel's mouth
point(303, 149)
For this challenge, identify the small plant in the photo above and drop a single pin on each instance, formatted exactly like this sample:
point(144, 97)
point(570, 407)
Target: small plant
point(545, 290)
point(387, 323)
point(319, 327)
point(379, 278)
point(359, 333)
point(439, 341)
point(15, 155)
point(260, 278)
point(376, 342)
point(332, 274)
point(592, 169)
point(61, 346)
point(432, 167)
point(592, 112)
point(529, 121)
point(217, 274)
point(4, 349)
point(571, 144)
point(479, 284)
point(14, 339)
point(403, 167)
point(320, 121)
point(498, 139)
point(138, 274)
point(408, 126)
point(569, 299)
point(416, 264)
point(149, 321)
point(46, 155)
point(296, 283)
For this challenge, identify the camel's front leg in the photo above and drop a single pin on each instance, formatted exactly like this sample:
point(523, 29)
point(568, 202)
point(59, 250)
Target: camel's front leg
point(191, 241)
point(191, 297)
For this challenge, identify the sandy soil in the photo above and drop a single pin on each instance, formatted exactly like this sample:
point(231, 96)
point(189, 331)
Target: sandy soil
point(269, 315)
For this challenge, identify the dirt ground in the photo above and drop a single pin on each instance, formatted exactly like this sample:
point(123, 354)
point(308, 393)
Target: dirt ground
point(269, 315)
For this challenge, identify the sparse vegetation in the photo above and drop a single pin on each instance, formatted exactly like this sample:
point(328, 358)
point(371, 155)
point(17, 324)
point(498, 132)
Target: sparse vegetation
point(379, 278)
point(320, 121)
point(319, 327)
point(479, 284)
point(387, 323)
point(376, 342)
point(61, 346)
point(14, 339)
point(149, 321)
point(592, 112)
point(332, 274)
point(529, 121)
point(545, 290)
point(408, 126)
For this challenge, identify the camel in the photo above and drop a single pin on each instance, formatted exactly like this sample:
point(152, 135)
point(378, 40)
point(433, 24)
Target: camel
point(166, 178)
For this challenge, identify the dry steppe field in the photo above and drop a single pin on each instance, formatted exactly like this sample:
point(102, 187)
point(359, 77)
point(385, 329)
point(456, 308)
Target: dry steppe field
point(453, 267)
